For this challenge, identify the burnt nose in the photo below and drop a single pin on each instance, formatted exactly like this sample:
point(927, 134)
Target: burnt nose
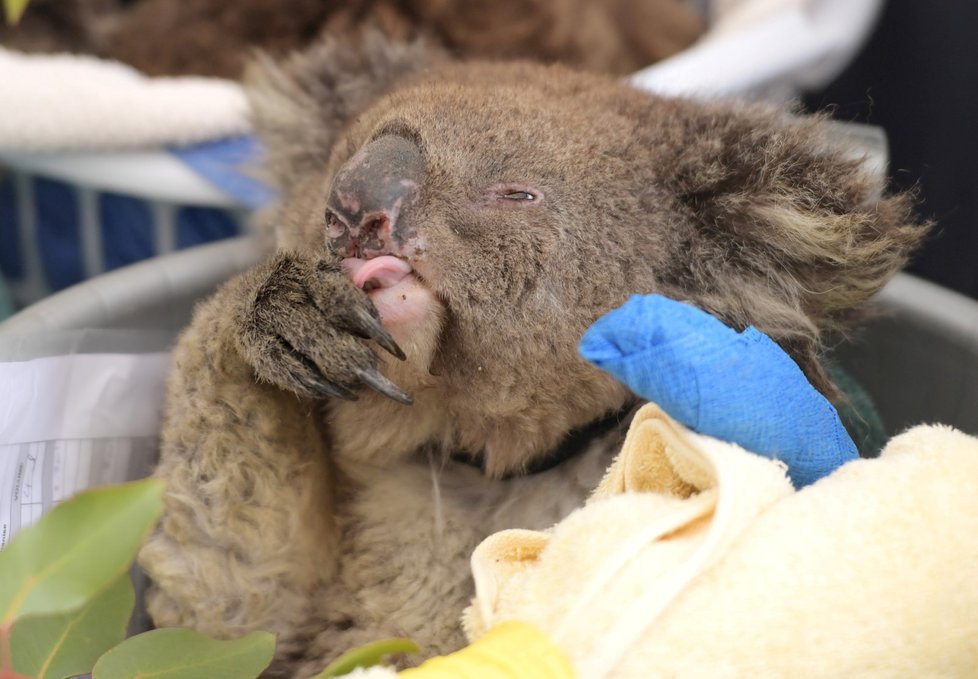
point(371, 193)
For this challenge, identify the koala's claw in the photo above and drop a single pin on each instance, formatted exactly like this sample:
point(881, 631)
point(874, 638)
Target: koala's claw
point(329, 389)
point(373, 379)
point(366, 326)
point(301, 323)
point(307, 375)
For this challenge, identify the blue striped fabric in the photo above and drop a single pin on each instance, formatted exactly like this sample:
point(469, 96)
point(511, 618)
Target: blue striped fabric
point(199, 225)
point(128, 233)
point(11, 265)
point(58, 233)
point(127, 230)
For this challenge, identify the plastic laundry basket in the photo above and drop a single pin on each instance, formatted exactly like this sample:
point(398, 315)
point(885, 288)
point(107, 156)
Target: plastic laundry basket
point(918, 358)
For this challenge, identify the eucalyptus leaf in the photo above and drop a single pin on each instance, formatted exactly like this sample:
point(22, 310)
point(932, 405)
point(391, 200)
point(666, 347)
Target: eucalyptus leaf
point(76, 550)
point(367, 655)
point(176, 653)
point(68, 644)
point(14, 9)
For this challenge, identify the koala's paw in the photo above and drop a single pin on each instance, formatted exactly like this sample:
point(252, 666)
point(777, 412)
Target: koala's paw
point(302, 328)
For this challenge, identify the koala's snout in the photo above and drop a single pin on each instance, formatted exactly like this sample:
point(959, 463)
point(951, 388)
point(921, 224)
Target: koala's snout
point(370, 196)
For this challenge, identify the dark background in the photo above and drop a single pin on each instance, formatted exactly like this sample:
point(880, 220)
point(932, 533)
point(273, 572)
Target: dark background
point(917, 77)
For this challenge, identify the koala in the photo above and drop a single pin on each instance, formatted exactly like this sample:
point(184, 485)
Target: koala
point(614, 36)
point(346, 420)
point(215, 37)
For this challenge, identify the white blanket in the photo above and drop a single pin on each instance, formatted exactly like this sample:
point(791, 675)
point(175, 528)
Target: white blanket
point(68, 102)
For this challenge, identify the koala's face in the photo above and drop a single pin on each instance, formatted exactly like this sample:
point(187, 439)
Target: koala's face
point(492, 212)
point(501, 215)
point(506, 208)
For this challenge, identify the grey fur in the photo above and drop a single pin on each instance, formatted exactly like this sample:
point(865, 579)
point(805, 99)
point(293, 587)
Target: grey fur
point(316, 517)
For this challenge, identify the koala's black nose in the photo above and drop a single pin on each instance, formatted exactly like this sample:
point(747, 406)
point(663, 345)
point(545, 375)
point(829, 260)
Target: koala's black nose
point(370, 194)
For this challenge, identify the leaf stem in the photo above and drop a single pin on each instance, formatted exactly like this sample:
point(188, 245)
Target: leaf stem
point(6, 655)
point(19, 598)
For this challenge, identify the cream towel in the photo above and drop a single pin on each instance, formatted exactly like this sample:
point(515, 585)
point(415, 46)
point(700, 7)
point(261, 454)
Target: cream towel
point(695, 559)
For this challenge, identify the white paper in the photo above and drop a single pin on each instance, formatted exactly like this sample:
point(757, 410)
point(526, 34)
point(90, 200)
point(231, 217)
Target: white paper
point(81, 396)
point(36, 476)
point(73, 422)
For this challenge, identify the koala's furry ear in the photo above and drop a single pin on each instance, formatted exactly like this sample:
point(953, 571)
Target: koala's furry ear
point(782, 213)
point(301, 104)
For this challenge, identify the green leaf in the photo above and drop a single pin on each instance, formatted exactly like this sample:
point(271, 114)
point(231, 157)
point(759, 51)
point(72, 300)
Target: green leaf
point(76, 550)
point(68, 644)
point(14, 9)
point(177, 653)
point(367, 655)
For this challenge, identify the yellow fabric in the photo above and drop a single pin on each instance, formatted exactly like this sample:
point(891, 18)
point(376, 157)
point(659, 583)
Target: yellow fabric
point(510, 650)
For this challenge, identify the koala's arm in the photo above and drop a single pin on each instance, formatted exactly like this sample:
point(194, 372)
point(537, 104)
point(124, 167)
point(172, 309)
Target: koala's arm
point(248, 532)
point(248, 489)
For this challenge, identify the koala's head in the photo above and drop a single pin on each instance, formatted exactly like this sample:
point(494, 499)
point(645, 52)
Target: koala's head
point(494, 211)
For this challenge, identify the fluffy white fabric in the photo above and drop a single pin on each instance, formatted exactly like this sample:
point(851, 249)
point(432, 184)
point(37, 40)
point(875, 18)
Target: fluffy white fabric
point(68, 102)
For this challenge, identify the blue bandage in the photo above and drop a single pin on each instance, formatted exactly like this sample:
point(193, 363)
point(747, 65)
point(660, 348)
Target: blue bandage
point(739, 387)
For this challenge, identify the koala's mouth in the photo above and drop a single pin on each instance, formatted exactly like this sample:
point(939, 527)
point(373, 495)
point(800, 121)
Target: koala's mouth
point(396, 290)
point(378, 273)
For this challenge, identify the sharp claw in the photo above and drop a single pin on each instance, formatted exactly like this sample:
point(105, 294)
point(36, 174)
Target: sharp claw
point(378, 382)
point(370, 328)
point(314, 380)
point(324, 388)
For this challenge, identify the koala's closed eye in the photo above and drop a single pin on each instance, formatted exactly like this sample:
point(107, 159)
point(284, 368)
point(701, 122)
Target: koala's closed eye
point(514, 195)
